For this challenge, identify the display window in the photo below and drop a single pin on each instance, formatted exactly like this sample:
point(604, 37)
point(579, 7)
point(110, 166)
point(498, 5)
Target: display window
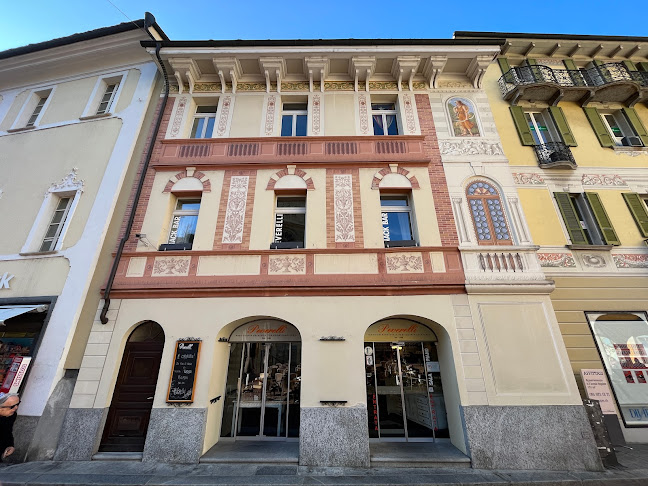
point(622, 341)
point(19, 339)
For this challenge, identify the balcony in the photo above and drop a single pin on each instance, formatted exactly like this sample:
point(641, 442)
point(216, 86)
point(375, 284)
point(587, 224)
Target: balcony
point(254, 151)
point(610, 82)
point(554, 155)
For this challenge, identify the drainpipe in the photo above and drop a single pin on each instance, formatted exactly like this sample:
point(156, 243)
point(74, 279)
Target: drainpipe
point(138, 193)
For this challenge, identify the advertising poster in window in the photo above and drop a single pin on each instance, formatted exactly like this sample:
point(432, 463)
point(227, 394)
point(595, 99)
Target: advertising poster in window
point(622, 339)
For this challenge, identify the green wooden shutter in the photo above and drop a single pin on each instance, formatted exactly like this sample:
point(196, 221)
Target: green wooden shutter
point(639, 212)
point(570, 64)
point(522, 126)
point(630, 65)
point(597, 62)
point(563, 127)
point(604, 223)
point(504, 64)
point(638, 127)
point(531, 62)
point(604, 137)
point(643, 66)
point(570, 217)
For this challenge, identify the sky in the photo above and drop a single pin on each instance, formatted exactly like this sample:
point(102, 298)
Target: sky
point(26, 22)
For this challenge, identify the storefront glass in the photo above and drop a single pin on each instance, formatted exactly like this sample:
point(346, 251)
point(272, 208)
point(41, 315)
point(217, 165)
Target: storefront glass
point(18, 340)
point(622, 340)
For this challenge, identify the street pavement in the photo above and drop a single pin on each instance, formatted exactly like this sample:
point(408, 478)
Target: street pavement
point(633, 471)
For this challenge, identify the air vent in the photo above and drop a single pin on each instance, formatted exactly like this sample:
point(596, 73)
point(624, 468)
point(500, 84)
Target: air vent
point(242, 149)
point(295, 148)
point(200, 150)
point(390, 147)
point(341, 148)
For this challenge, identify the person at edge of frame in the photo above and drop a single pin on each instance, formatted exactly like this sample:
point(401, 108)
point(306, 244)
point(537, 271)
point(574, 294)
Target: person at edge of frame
point(8, 406)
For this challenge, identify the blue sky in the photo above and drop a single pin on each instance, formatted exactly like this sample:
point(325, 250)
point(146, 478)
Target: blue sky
point(24, 22)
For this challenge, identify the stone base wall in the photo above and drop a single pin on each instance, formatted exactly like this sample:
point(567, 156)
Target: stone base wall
point(80, 434)
point(555, 437)
point(334, 437)
point(175, 435)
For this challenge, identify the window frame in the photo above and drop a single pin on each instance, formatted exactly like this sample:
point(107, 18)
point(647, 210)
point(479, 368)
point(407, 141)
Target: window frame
point(29, 106)
point(496, 196)
point(91, 109)
point(180, 213)
point(551, 128)
point(409, 209)
point(294, 114)
point(278, 245)
point(618, 116)
point(590, 226)
point(205, 116)
point(60, 225)
point(384, 113)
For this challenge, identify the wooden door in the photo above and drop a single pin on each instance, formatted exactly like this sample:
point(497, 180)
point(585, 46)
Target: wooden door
point(130, 410)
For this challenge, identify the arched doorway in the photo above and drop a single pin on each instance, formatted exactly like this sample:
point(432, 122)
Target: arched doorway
point(263, 381)
point(130, 409)
point(404, 390)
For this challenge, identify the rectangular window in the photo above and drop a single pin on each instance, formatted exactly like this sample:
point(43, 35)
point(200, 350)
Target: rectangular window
point(56, 224)
point(37, 111)
point(294, 119)
point(107, 99)
point(396, 216)
point(622, 341)
point(203, 123)
point(620, 129)
point(541, 127)
point(289, 222)
point(384, 118)
point(586, 220)
point(183, 225)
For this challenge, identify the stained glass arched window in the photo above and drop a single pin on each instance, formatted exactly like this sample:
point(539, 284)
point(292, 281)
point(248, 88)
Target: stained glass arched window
point(488, 215)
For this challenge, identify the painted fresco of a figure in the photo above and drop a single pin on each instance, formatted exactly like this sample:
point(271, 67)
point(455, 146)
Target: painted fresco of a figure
point(463, 118)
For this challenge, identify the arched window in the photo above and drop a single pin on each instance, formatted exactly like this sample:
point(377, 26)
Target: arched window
point(488, 214)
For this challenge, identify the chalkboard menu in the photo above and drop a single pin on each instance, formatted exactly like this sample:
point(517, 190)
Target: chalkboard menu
point(183, 374)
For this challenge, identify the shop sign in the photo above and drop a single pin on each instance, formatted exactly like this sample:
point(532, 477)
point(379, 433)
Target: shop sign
point(5, 278)
point(15, 374)
point(597, 388)
point(279, 220)
point(399, 330)
point(184, 371)
point(266, 330)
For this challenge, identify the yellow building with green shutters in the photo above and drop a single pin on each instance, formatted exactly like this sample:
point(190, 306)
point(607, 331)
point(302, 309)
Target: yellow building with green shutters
point(572, 112)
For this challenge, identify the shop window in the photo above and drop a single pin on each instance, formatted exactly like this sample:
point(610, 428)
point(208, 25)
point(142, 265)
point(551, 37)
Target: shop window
point(204, 121)
point(396, 216)
point(622, 342)
point(289, 222)
point(463, 116)
point(294, 119)
point(384, 118)
point(56, 225)
point(617, 128)
point(183, 225)
point(638, 205)
point(585, 219)
point(488, 214)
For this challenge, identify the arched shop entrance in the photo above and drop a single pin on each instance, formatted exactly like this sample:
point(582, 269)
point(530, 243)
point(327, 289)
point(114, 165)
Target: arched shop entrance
point(263, 382)
point(404, 390)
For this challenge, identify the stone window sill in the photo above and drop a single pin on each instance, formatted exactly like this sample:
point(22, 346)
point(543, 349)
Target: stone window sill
point(21, 129)
point(623, 149)
point(591, 247)
point(94, 117)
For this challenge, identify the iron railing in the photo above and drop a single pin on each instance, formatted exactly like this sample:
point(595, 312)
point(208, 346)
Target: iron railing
point(604, 74)
point(554, 154)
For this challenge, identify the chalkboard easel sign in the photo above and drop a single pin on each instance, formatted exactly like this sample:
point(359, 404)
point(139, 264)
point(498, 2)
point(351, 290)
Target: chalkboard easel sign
point(184, 371)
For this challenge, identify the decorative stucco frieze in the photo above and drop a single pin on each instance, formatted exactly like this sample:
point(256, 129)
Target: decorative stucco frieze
point(179, 115)
point(343, 208)
point(171, 266)
point(363, 112)
point(404, 263)
point(224, 115)
point(68, 183)
point(235, 213)
point(316, 111)
point(602, 180)
point(470, 147)
point(410, 122)
point(593, 260)
point(270, 115)
point(628, 260)
point(556, 260)
point(287, 264)
point(528, 179)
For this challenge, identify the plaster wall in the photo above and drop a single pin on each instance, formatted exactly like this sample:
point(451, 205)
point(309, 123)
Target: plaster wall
point(248, 107)
point(339, 114)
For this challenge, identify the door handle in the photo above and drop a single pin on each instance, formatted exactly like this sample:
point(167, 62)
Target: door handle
point(150, 398)
point(398, 380)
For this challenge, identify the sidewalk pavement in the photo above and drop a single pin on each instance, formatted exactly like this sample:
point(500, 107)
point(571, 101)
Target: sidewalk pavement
point(632, 472)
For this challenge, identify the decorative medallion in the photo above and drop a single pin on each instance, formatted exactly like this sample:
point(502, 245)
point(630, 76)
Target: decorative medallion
point(316, 109)
point(343, 203)
point(270, 115)
point(179, 115)
point(224, 115)
point(626, 260)
point(404, 263)
point(235, 213)
point(470, 147)
point(364, 114)
point(286, 264)
point(409, 113)
point(171, 266)
point(593, 260)
point(530, 179)
point(560, 260)
point(602, 180)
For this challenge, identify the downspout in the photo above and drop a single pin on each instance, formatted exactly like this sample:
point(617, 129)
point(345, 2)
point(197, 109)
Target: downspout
point(138, 193)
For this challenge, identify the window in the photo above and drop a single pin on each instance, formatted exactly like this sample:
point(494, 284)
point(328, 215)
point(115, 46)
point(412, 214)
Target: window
point(396, 216)
point(541, 127)
point(622, 342)
point(585, 218)
point(384, 118)
point(638, 205)
point(203, 123)
point(56, 224)
point(619, 128)
point(488, 215)
point(294, 119)
point(290, 222)
point(183, 225)
point(107, 99)
point(37, 111)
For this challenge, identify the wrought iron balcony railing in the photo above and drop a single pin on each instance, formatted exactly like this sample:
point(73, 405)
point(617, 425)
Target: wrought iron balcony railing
point(554, 154)
point(594, 77)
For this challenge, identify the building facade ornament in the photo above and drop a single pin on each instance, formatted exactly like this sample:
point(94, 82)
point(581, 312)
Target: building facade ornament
point(68, 183)
point(343, 204)
point(470, 147)
point(557, 260)
point(626, 260)
point(235, 213)
point(602, 180)
point(522, 178)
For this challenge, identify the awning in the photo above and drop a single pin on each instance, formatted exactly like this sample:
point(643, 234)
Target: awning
point(9, 311)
